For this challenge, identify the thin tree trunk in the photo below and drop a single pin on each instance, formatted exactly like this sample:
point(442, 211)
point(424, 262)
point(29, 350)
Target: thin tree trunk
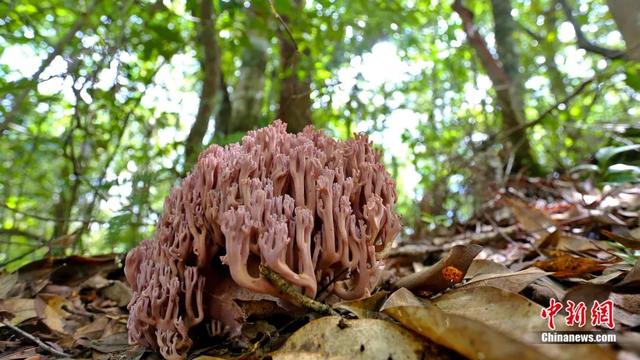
point(223, 117)
point(508, 95)
point(211, 69)
point(504, 29)
point(248, 94)
point(555, 76)
point(295, 90)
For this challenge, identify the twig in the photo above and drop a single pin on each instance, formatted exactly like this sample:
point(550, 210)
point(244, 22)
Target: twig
point(284, 24)
point(293, 293)
point(503, 234)
point(20, 257)
point(542, 116)
point(583, 42)
point(47, 218)
point(39, 342)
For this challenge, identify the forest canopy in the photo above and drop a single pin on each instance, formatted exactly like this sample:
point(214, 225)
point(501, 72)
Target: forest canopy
point(105, 105)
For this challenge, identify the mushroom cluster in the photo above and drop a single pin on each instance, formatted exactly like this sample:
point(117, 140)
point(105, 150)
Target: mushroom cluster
point(316, 211)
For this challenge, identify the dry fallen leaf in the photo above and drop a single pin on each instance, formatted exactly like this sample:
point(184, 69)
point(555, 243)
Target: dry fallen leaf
point(51, 311)
point(534, 221)
point(512, 281)
point(21, 309)
point(627, 241)
point(565, 266)
point(433, 280)
point(486, 319)
point(563, 241)
point(631, 282)
point(484, 266)
point(118, 292)
point(354, 339)
point(468, 337)
point(365, 308)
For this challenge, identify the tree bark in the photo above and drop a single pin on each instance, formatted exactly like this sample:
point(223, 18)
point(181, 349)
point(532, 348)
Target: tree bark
point(626, 14)
point(555, 76)
point(223, 117)
point(211, 68)
point(508, 91)
point(295, 90)
point(504, 29)
point(248, 94)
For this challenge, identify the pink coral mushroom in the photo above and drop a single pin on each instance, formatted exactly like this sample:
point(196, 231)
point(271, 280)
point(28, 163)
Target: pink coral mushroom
point(317, 211)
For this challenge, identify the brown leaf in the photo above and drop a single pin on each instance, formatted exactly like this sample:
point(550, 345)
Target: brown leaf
point(468, 337)
point(365, 308)
point(570, 266)
point(563, 241)
point(631, 282)
point(432, 279)
point(628, 241)
point(355, 339)
point(534, 221)
point(92, 330)
point(512, 281)
point(21, 309)
point(110, 344)
point(499, 318)
point(10, 286)
point(19, 354)
point(118, 292)
point(484, 266)
point(50, 310)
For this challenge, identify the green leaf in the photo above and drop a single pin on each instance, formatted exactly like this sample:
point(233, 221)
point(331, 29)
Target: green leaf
point(606, 153)
point(633, 78)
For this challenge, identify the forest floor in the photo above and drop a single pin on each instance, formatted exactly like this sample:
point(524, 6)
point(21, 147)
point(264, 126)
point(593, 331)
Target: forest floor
point(484, 289)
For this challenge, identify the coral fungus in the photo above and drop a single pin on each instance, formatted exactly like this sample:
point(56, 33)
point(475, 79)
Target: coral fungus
point(317, 211)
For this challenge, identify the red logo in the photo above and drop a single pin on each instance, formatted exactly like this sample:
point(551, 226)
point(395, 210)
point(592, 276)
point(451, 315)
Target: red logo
point(550, 312)
point(601, 313)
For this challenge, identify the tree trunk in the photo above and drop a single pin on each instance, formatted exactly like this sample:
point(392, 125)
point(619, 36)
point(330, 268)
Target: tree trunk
point(548, 49)
point(248, 94)
point(626, 14)
point(295, 90)
point(511, 107)
point(223, 117)
point(211, 68)
point(504, 29)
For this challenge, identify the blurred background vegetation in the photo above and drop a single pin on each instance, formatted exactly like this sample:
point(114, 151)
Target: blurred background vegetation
point(105, 105)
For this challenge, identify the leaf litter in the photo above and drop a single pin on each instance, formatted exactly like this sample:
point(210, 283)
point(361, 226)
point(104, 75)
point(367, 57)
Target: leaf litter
point(475, 290)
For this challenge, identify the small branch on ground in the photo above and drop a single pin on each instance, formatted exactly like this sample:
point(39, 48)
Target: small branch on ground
point(293, 294)
point(39, 342)
point(448, 242)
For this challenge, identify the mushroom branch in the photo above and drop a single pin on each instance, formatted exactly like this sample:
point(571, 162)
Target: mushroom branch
point(315, 211)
